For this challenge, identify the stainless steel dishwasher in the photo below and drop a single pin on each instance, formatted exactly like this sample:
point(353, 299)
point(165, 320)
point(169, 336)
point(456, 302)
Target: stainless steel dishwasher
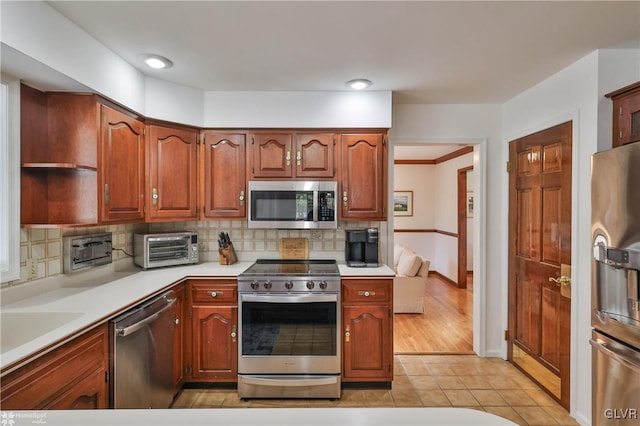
point(142, 354)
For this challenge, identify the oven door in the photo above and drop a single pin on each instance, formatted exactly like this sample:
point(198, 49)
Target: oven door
point(289, 334)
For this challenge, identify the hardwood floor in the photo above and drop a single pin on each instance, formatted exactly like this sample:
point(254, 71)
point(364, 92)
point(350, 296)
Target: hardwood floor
point(446, 327)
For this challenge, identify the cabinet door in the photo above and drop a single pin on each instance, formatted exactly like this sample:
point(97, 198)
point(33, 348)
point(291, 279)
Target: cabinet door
point(271, 155)
point(172, 171)
point(215, 346)
point(314, 155)
point(367, 338)
point(363, 177)
point(121, 195)
point(628, 119)
point(72, 376)
point(224, 175)
point(178, 338)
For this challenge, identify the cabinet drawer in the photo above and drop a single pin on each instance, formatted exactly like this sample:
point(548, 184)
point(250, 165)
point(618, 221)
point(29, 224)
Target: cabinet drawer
point(367, 290)
point(214, 292)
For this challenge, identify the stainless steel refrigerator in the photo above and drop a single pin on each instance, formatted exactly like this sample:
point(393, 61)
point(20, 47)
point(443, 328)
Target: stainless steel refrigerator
point(615, 315)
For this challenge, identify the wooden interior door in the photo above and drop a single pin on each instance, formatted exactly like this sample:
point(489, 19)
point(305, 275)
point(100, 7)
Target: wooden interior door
point(539, 254)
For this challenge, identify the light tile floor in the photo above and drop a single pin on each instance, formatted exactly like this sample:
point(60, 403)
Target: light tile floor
point(488, 384)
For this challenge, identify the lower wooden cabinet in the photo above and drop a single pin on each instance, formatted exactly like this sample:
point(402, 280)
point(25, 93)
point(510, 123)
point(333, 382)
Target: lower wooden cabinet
point(74, 376)
point(213, 332)
point(179, 337)
point(367, 322)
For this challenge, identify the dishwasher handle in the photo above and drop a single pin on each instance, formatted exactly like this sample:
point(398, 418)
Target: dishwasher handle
point(122, 332)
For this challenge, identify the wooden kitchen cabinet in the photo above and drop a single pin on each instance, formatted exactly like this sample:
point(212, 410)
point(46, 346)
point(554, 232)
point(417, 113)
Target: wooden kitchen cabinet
point(363, 177)
point(73, 376)
point(271, 155)
point(367, 322)
point(121, 191)
point(179, 308)
point(297, 155)
point(626, 114)
point(82, 162)
point(224, 175)
point(214, 331)
point(172, 173)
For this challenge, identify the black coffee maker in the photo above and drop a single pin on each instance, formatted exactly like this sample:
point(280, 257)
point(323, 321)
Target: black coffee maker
point(361, 248)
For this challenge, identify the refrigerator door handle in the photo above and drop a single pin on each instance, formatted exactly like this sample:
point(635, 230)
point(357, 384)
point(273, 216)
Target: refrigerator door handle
point(617, 355)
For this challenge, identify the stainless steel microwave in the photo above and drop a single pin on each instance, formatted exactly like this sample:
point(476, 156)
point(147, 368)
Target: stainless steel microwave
point(293, 204)
point(169, 249)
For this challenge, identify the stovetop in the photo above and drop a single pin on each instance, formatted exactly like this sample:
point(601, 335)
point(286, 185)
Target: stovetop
point(292, 267)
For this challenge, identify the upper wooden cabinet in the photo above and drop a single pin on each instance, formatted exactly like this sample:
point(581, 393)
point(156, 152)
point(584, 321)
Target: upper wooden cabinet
point(626, 114)
point(82, 161)
point(292, 155)
point(364, 183)
point(121, 194)
point(224, 187)
point(172, 173)
point(314, 155)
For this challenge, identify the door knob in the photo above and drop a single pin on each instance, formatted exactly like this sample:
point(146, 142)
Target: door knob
point(559, 281)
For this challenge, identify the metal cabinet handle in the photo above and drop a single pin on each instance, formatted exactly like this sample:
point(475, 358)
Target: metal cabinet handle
point(288, 158)
point(215, 293)
point(299, 157)
point(234, 333)
point(345, 198)
point(559, 281)
point(241, 198)
point(347, 334)
point(366, 293)
point(107, 195)
point(176, 321)
point(154, 196)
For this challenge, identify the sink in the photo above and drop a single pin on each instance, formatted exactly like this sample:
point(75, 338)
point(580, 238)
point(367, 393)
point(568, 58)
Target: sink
point(18, 328)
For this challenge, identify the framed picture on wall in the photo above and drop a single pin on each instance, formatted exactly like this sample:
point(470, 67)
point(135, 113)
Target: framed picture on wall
point(403, 203)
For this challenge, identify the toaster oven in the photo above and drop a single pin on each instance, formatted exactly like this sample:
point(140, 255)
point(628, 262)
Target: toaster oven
point(168, 249)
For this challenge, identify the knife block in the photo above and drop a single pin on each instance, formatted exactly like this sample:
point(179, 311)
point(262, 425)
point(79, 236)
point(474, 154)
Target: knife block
point(227, 255)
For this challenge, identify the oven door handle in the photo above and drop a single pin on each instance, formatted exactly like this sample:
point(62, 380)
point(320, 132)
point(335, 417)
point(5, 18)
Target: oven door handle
point(316, 298)
point(268, 381)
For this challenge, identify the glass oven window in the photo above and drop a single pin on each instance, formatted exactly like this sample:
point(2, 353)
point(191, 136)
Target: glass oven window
point(282, 205)
point(302, 329)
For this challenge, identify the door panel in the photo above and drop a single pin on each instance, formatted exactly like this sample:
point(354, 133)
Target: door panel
point(539, 243)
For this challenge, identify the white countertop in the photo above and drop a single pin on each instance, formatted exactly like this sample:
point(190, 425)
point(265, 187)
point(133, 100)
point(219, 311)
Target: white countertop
point(37, 315)
point(269, 417)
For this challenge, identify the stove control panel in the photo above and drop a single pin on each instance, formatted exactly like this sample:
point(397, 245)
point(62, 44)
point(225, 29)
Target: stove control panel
point(288, 285)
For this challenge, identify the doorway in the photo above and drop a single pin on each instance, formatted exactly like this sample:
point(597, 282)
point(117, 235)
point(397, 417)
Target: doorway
point(539, 255)
point(433, 231)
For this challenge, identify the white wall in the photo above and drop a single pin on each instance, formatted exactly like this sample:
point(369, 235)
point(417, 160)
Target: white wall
point(297, 109)
point(479, 125)
point(575, 93)
point(423, 181)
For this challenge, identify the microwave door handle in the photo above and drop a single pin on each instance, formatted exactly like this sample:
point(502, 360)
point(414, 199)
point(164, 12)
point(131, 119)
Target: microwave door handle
point(315, 206)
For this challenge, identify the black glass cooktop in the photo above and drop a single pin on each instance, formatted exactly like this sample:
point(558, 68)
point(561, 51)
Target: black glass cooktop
point(266, 267)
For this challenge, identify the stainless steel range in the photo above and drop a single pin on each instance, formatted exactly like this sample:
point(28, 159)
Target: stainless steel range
point(289, 313)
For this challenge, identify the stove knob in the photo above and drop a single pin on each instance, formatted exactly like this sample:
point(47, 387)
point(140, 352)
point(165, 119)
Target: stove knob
point(254, 285)
point(267, 285)
point(288, 285)
point(310, 285)
point(323, 285)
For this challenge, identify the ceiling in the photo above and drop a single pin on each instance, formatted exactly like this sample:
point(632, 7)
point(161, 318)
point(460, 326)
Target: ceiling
point(424, 52)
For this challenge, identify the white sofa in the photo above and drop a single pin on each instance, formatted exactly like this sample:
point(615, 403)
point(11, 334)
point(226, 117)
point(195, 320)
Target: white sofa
point(409, 283)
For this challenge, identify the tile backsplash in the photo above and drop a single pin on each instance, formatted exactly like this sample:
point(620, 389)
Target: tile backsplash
point(44, 245)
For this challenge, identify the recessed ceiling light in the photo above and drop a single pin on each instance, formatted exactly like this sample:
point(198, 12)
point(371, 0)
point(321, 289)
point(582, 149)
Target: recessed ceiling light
point(359, 83)
point(155, 61)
